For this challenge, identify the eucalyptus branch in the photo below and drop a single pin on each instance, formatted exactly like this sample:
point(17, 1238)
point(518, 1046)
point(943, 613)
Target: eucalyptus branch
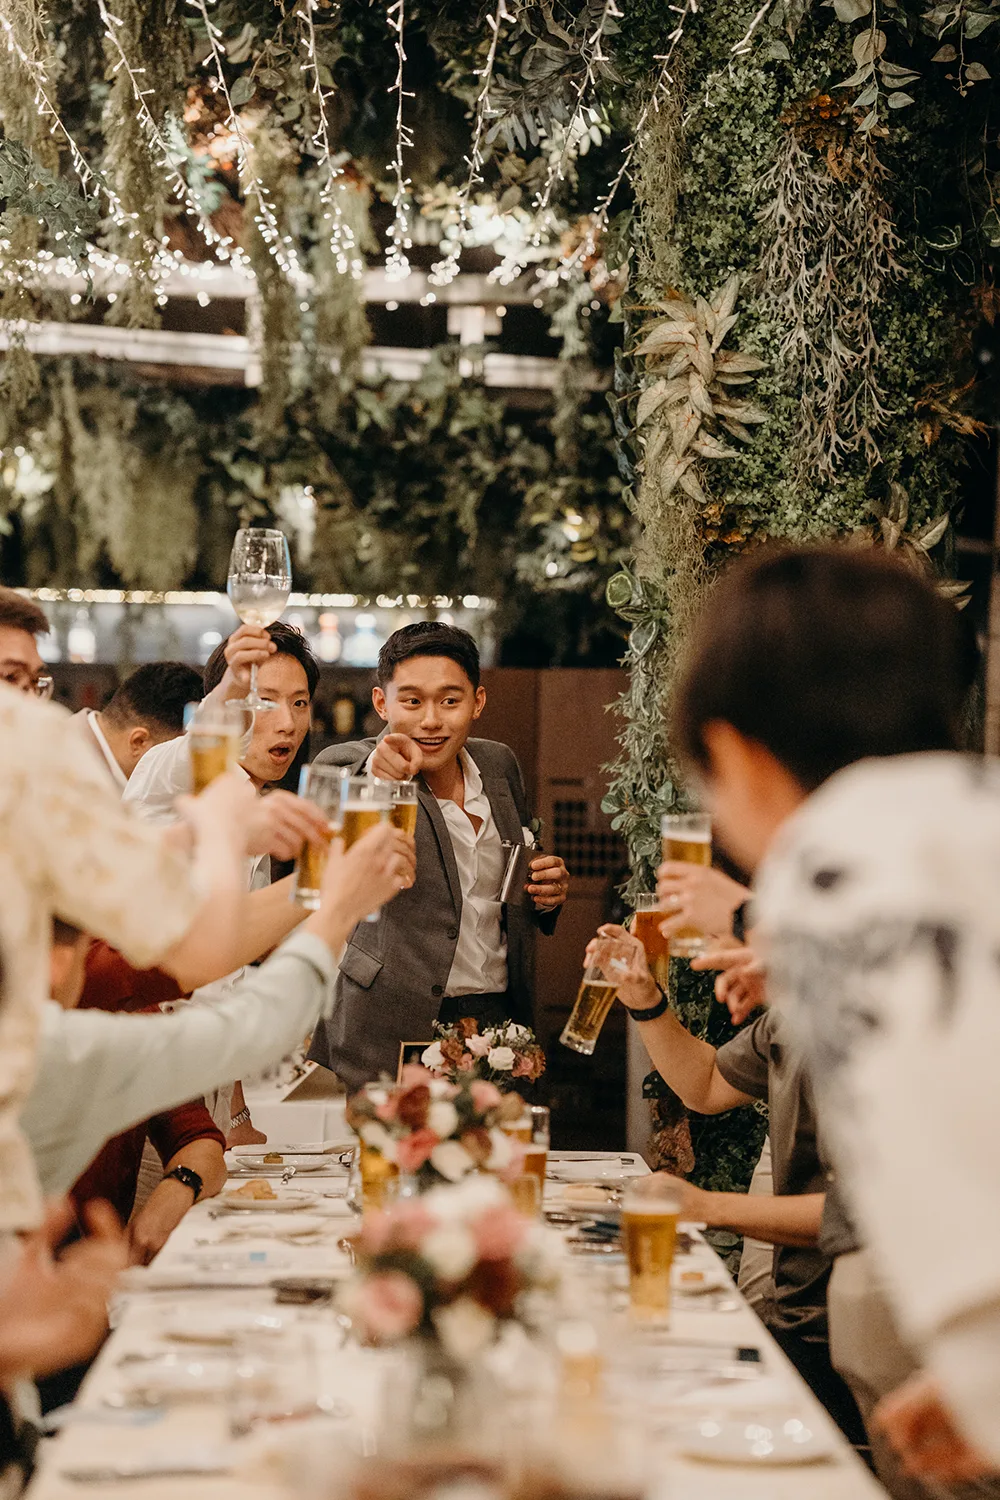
point(227, 250)
point(397, 264)
point(342, 240)
point(279, 245)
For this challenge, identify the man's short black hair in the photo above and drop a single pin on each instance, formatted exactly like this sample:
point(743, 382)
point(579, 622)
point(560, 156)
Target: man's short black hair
point(289, 641)
point(428, 638)
point(826, 656)
point(18, 612)
point(155, 694)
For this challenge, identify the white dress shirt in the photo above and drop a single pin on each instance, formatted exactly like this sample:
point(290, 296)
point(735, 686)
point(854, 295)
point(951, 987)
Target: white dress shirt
point(99, 1074)
point(480, 963)
point(117, 774)
point(66, 848)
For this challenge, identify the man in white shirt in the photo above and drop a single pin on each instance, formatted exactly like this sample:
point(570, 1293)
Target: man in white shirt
point(146, 709)
point(448, 948)
point(815, 678)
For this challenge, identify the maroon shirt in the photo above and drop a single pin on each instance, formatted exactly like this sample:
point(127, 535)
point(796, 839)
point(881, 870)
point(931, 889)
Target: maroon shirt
point(112, 984)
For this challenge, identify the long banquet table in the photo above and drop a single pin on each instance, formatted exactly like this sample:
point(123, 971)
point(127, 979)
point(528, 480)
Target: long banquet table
point(218, 1266)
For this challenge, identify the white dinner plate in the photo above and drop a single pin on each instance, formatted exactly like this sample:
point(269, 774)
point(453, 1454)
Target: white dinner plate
point(256, 1166)
point(284, 1203)
point(588, 1171)
point(223, 1328)
point(299, 1148)
point(754, 1441)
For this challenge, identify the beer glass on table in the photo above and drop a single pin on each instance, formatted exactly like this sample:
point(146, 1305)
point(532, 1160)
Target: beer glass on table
point(403, 810)
point(687, 837)
point(260, 581)
point(322, 785)
point(532, 1132)
point(650, 1212)
point(607, 968)
point(646, 927)
point(215, 741)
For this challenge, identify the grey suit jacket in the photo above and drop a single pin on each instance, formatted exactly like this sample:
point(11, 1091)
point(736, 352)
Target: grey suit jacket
point(394, 971)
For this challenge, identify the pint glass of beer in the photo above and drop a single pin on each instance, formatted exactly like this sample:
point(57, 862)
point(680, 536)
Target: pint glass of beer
point(596, 995)
point(650, 1211)
point(215, 741)
point(365, 802)
point(322, 785)
point(531, 1131)
point(403, 811)
point(646, 927)
point(687, 837)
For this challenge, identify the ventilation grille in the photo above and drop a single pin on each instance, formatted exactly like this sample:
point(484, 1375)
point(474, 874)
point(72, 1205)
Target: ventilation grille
point(585, 852)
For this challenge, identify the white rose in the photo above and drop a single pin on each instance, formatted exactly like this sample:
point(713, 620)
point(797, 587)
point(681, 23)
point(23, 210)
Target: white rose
point(474, 1194)
point(517, 1033)
point(502, 1153)
point(451, 1251)
point(464, 1327)
point(501, 1059)
point(432, 1056)
point(451, 1159)
point(442, 1118)
point(377, 1097)
point(440, 1088)
point(378, 1138)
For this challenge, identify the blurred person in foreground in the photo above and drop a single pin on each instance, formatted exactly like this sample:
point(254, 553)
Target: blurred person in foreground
point(145, 710)
point(448, 948)
point(819, 685)
point(68, 849)
point(287, 678)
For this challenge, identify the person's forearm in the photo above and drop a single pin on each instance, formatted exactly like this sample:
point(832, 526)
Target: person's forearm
point(204, 1157)
point(779, 1220)
point(211, 943)
point(267, 917)
point(687, 1064)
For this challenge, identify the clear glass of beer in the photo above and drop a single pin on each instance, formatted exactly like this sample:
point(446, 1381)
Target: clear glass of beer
point(650, 1211)
point(215, 741)
point(598, 988)
point(403, 811)
point(646, 927)
point(687, 837)
point(322, 785)
point(365, 803)
point(531, 1131)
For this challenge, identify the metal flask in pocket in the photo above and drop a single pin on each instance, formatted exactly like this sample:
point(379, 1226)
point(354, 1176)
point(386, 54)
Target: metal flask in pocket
point(516, 874)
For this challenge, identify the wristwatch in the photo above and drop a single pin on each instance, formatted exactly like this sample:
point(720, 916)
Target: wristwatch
point(189, 1178)
point(243, 1118)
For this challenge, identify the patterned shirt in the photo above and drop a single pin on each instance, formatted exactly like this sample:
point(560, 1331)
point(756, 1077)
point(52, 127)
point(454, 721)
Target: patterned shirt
point(66, 849)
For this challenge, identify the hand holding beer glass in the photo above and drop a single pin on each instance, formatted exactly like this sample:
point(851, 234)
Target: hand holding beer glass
point(686, 839)
point(323, 786)
point(215, 734)
point(403, 809)
point(365, 802)
point(608, 962)
point(651, 1209)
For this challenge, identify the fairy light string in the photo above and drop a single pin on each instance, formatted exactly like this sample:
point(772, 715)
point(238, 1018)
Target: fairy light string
point(397, 263)
point(343, 243)
point(444, 271)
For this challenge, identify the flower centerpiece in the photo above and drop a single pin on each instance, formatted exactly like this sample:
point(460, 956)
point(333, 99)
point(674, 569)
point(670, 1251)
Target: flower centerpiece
point(450, 1267)
point(437, 1131)
point(503, 1055)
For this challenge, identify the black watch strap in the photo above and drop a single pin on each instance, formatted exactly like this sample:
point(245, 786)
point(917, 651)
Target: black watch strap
point(654, 1011)
point(189, 1178)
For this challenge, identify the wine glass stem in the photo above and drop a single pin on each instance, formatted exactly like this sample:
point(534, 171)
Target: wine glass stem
point(253, 683)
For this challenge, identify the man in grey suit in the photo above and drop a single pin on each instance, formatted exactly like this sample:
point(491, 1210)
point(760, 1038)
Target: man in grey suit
point(446, 948)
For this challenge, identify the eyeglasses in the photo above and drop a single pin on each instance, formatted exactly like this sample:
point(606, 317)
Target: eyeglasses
point(25, 682)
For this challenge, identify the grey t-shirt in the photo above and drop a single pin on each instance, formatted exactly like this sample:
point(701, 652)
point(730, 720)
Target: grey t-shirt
point(761, 1062)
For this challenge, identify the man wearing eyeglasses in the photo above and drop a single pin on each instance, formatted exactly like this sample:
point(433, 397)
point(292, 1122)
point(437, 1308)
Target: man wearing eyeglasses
point(21, 620)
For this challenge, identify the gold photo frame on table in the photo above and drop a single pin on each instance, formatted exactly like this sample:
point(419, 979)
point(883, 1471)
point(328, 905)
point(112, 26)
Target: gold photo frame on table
point(409, 1052)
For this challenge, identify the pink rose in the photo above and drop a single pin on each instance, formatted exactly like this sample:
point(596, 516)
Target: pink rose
point(410, 1223)
point(388, 1306)
point(376, 1230)
point(413, 1075)
point(522, 1066)
point(387, 1111)
point(466, 1063)
point(478, 1045)
point(413, 1150)
point(484, 1095)
point(499, 1234)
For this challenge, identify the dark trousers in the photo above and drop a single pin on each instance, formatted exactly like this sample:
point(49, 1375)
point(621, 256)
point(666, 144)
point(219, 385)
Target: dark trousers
point(811, 1357)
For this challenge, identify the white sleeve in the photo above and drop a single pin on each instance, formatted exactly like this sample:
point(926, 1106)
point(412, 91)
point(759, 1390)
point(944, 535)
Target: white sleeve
point(99, 1074)
point(158, 780)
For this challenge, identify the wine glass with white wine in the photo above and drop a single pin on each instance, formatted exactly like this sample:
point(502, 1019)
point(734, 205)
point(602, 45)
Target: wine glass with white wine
point(260, 581)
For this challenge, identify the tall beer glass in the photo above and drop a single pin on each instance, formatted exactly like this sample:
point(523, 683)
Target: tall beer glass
point(365, 802)
point(215, 741)
point(322, 785)
point(646, 927)
point(403, 811)
point(531, 1131)
point(687, 837)
point(596, 995)
point(650, 1211)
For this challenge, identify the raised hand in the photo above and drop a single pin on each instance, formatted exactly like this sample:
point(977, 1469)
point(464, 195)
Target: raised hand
point(396, 758)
